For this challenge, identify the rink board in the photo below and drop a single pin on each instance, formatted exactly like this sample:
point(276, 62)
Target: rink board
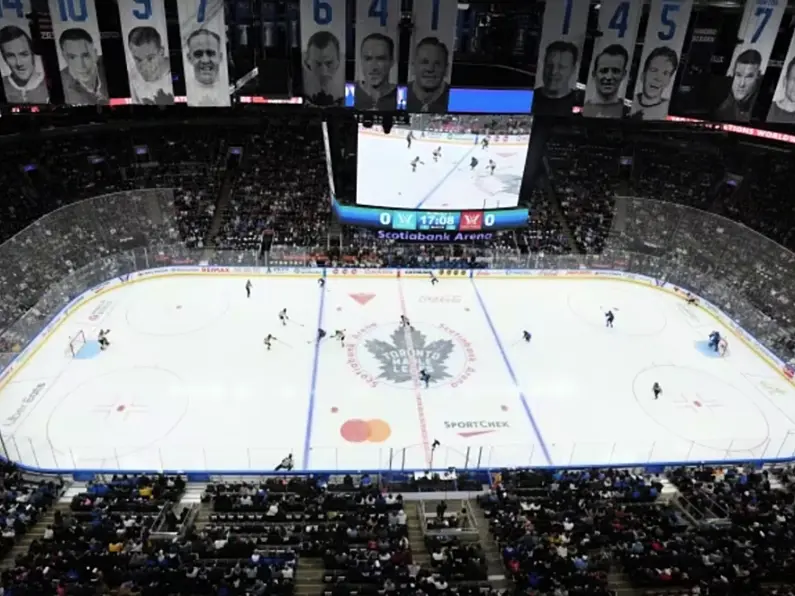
point(450, 138)
point(27, 354)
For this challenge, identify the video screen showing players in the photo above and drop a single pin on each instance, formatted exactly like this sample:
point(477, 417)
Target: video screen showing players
point(444, 162)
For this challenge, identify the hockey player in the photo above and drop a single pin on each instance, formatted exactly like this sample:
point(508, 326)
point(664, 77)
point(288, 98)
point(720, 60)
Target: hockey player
point(714, 340)
point(484, 143)
point(473, 163)
point(286, 464)
point(102, 339)
point(321, 282)
point(340, 335)
point(248, 289)
point(437, 153)
point(491, 166)
point(409, 138)
point(656, 389)
point(283, 317)
point(320, 334)
point(414, 163)
point(404, 321)
point(609, 318)
point(527, 336)
point(691, 299)
point(268, 341)
point(425, 377)
point(434, 281)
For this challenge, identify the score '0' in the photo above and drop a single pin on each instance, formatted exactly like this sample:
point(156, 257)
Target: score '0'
point(385, 218)
point(488, 220)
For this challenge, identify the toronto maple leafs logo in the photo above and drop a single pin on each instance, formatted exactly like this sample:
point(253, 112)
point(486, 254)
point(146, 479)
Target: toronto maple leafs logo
point(394, 355)
point(499, 183)
point(407, 345)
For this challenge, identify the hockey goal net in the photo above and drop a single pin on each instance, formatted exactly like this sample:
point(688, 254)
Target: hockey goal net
point(76, 343)
point(723, 347)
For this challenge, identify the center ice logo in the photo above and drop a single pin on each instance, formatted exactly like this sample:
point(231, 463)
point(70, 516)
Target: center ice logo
point(504, 182)
point(393, 355)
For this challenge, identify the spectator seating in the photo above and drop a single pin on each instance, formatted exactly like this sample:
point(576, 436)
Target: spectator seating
point(282, 189)
point(23, 500)
point(104, 543)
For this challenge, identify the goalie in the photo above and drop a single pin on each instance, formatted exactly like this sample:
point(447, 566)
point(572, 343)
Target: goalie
point(102, 339)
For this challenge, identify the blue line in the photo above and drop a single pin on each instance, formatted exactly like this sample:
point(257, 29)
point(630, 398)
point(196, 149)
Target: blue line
point(443, 180)
point(313, 386)
point(512, 374)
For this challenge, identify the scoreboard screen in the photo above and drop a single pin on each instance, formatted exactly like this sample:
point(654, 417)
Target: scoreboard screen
point(432, 226)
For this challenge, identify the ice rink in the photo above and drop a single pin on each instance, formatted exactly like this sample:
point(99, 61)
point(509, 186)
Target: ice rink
point(385, 179)
point(187, 383)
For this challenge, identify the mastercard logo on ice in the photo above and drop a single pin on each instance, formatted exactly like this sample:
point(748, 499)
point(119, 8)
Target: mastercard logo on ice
point(365, 431)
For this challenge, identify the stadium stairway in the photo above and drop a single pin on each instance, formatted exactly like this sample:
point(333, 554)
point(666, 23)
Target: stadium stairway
point(309, 576)
point(228, 187)
point(419, 552)
point(618, 581)
point(496, 570)
point(554, 202)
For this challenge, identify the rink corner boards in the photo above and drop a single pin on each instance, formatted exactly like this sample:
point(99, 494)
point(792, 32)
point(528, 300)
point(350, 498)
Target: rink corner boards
point(287, 270)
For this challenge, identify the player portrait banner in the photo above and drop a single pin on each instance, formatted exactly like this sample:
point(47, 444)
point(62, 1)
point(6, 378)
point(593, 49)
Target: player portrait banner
point(611, 59)
point(758, 32)
point(143, 30)
point(77, 41)
point(559, 56)
point(202, 31)
point(783, 107)
point(662, 51)
point(20, 67)
point(377, 54)
point(431, 56)
point(323, 53)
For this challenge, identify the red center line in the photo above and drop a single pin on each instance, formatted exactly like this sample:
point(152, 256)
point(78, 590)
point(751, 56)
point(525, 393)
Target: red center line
point(415, 377)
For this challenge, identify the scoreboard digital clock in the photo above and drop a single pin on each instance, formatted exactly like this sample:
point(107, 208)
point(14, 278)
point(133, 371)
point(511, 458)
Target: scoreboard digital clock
point(407, 220)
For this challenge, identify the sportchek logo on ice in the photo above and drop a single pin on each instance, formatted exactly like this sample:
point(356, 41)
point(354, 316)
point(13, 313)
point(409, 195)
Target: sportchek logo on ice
point(392, 355)
point(473, 428)
point(449, 299)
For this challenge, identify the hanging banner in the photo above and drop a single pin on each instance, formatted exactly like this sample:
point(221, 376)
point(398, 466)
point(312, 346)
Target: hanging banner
point(202, 29)
point(662, 48)
point(758, 31)
point(431, 56)
point(323, 25)
point(143, 30)
point(612, 57)
point(74, 26)
point(21, 68)
point(377, 54)
point(694, 94)
point(783, 107)
point(559, 55)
